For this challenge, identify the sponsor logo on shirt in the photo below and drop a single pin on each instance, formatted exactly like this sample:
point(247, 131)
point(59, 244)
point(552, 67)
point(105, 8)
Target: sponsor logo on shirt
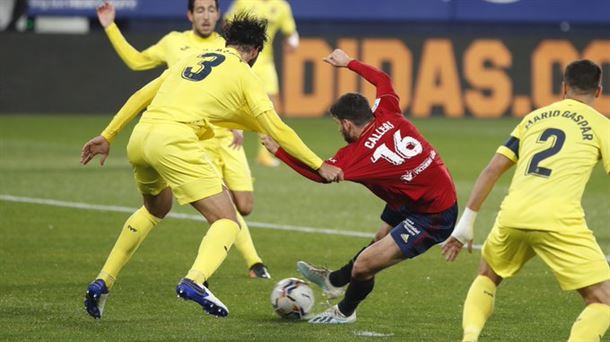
point(409, 175)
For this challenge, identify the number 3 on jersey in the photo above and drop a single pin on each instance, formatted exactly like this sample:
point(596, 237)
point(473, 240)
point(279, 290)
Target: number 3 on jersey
point(406, 148)
point(206, 64)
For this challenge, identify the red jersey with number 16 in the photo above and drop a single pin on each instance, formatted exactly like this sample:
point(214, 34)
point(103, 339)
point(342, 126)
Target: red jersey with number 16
point(391, 157)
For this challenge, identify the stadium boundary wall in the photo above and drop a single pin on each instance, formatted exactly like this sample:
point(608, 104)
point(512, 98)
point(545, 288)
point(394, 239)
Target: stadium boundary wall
point(481, 71)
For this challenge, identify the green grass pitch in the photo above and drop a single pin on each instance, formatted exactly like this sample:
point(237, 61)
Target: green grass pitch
point(49, 254)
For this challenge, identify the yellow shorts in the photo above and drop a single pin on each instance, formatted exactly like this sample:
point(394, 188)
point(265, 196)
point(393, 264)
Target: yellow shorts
point(164, 153)
point(267, 73)
point(574, 257)
point(231, 163)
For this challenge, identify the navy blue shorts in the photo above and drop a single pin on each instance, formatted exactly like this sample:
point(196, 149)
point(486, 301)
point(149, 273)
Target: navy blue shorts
point(415, 233)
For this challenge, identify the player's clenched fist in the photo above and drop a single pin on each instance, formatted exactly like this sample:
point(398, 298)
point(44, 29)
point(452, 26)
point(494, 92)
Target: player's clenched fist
point(330, 173)
point(106, 14)
point(338, 58)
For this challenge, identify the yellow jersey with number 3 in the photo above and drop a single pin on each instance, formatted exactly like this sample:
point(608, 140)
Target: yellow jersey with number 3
point(211, 86)
point(555, 148)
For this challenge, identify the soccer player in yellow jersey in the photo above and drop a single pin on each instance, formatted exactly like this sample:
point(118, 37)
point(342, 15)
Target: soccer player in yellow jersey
point(555, 149)
point(279, 17)
point(215, 86)
point(225, 148)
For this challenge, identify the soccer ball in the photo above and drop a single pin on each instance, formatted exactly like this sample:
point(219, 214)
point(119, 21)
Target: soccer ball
point(292, 298)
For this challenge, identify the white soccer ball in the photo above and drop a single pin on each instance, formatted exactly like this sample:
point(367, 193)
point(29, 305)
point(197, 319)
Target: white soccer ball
point(292, 298)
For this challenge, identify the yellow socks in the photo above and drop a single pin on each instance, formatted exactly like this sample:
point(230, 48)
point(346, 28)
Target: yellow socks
point(245, 245)
point(213, 249)
point(135, 230)
point(591, 324)
point(478, 307)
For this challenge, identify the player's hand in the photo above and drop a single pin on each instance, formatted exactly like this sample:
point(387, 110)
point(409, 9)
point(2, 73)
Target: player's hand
point(269, 143)
point(106, 13)
point(330, 173)
point(463, 233)
point(98, 145)
point(338, 58)
point(238, 139)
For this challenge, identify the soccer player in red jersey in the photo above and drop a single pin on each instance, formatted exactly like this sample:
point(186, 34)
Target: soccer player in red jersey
point(387, 154)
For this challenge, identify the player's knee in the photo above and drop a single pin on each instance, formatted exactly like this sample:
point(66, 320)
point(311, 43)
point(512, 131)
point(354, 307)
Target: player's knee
point(245, 208)
point(159, 211)
point(598, 293)
point(485, 270)
point(244, 203)
point(361, 270)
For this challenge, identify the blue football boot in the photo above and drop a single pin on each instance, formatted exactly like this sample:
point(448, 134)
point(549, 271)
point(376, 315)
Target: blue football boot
point(189, 290)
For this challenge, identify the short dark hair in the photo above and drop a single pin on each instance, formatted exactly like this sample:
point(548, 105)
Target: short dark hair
point(583, 76)
point(192, 5)
point(353, 107)
point(246, 31)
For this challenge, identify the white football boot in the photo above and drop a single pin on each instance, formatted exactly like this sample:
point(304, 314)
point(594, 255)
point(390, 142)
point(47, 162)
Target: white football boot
point(319, 276)
point(333, 316)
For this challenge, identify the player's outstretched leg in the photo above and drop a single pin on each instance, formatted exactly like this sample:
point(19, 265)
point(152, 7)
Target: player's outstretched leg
point(333, 316)
point(320, 277)
point(95, 298)
point(189, 290)
point(342, 276)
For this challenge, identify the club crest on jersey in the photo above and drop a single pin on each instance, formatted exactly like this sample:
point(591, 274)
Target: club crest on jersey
point(377, 134)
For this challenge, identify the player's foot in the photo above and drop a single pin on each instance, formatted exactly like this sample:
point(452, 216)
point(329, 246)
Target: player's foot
point(189, 290)
point(265, 158)
point(332, 316)
point(319, 276)
point(259, 271)
point(95, 298)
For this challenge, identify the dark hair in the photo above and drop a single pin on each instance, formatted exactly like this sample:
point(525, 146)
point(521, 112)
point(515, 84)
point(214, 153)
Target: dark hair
point(353, 107)
point(583, 76)
point(192, 5)
point(246, 31)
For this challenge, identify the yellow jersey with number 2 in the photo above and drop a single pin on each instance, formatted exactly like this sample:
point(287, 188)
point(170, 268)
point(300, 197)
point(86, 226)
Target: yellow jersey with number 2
point(555, 148)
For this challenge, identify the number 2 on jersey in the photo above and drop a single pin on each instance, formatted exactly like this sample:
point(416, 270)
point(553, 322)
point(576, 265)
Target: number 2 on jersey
point(207, 63)
point(560, 138)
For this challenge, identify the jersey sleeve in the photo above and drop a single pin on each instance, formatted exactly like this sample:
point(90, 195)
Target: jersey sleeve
point(133, 58)
point(288, 139)
point(287, 24)
point(382, 82)
point(510, 149)
point(134, 105)
point(298, 166)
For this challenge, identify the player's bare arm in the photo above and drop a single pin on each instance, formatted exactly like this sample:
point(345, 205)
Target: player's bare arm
point(464, 230)
point(106, 13)
point(338, 58)
point(98, 145)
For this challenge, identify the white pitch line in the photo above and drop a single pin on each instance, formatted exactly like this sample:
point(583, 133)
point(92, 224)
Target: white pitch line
point(191, 217)
point(181, 216)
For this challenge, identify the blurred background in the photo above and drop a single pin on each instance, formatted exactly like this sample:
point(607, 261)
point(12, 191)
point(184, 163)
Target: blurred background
point(450, 58)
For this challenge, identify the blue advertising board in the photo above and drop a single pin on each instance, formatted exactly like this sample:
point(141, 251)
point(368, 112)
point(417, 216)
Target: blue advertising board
point(505, 11)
